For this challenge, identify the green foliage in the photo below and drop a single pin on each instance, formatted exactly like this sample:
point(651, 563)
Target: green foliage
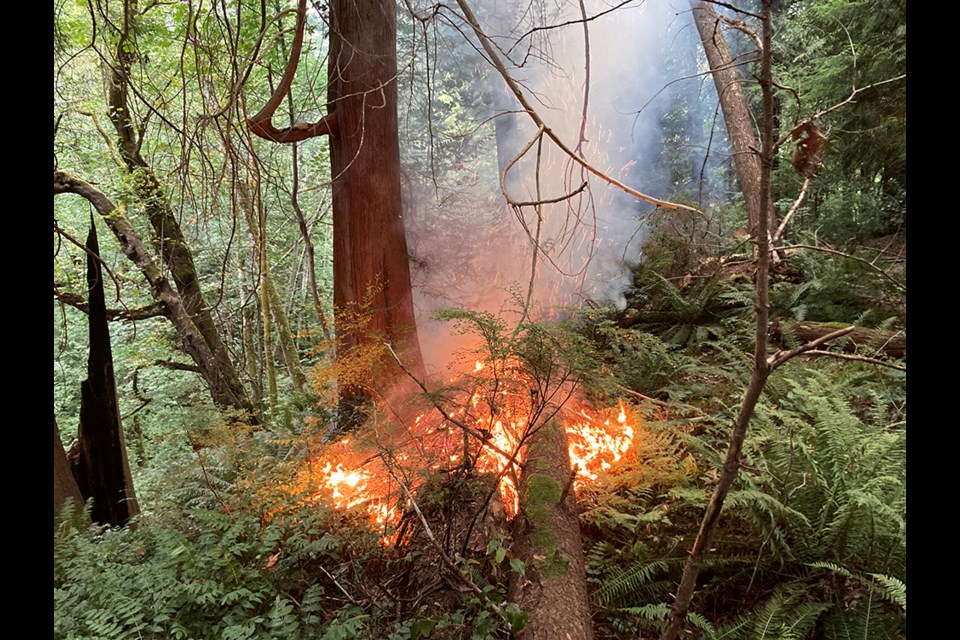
point(824, 50)
point(207, 575)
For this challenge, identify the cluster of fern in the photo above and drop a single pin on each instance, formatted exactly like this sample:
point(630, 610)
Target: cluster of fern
point(812, 543)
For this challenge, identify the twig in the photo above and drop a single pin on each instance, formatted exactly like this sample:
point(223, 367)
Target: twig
point(566, 489)
point(436, 545)
point(485, 441)
point(515, 88)
point(780, 357)
point(856, 358)
point(345, 592)
point(197, 447)
point(89, 253)
point(793, 209)
point(834, 252)
point(839, 105)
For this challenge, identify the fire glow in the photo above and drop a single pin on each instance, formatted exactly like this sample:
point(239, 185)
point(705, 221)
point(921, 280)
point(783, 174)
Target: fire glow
point(499, 410)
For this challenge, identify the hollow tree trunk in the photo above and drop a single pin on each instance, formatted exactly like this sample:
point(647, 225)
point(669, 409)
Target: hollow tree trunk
point(553, 592)
point(100, 457)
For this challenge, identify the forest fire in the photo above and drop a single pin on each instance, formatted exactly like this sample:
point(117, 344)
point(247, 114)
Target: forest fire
point(499, 409)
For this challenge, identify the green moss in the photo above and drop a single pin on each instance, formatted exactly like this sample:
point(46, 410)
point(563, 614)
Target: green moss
point(541, 494)
point(554, 565)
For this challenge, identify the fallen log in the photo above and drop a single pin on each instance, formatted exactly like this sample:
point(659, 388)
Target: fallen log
point(870, 342)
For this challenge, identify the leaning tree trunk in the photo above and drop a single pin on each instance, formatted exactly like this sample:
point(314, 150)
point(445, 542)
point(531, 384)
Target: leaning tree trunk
point(100, 456)
point(736, 113)
point(224, 381)
point(553, 591)
point(191, 338)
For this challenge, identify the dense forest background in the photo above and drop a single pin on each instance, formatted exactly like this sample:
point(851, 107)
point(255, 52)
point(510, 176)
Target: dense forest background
point(479, 320)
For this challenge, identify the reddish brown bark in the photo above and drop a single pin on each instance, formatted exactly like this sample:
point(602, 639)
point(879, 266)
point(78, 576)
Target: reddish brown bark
point(371, 263)
point(371, 267)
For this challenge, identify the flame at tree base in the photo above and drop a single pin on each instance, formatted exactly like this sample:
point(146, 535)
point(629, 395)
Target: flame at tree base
point(499, 409)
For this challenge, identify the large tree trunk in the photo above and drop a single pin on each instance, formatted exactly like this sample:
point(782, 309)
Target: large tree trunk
point(736, 113)
point(553, 592)
point(371, 270)
point(226, 388)
point(100, 457)
point(371, 264)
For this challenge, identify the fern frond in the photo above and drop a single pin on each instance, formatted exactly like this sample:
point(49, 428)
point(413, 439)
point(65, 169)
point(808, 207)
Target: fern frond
point(891, 589)
point(626, 583)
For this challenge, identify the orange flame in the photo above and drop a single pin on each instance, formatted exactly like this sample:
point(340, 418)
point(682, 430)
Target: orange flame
point(500, 412)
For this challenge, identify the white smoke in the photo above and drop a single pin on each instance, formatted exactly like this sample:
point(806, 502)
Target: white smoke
point(586, 242)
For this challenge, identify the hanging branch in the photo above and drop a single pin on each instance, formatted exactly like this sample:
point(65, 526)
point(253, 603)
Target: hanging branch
point(261, 124)
point(497, 62)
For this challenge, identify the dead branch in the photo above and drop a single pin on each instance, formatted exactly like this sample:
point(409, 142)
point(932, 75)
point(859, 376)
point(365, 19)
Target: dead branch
point(515, 88)
point(856, 358)
point(793, 209)
point(483, 439)
point(448, 563)
point(138, 313)
point(834, 252)
point(781, 357)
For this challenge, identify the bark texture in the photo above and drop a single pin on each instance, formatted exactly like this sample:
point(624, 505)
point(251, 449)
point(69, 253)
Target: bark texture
point(736, 113)
point(553, 592)
point(100, 458)
point(371, 264)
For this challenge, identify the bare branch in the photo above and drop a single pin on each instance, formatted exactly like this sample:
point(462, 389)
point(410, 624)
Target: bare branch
point(856, 358)
point(515, 88)
point(834, 252)
point(261, 124)
point(138, 313)
point(483, 439)
point(835, 107)
point(793, 209)
point(780, 357)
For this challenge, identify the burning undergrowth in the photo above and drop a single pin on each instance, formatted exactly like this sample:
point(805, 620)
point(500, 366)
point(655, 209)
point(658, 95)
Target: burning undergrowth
point(476, 424)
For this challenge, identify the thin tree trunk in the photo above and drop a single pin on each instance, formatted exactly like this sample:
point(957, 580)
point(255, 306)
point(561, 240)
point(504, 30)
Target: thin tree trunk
point(288, 347)
point(736, 114)
point(761, 367)
point(99, 459)
point(553, 591)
